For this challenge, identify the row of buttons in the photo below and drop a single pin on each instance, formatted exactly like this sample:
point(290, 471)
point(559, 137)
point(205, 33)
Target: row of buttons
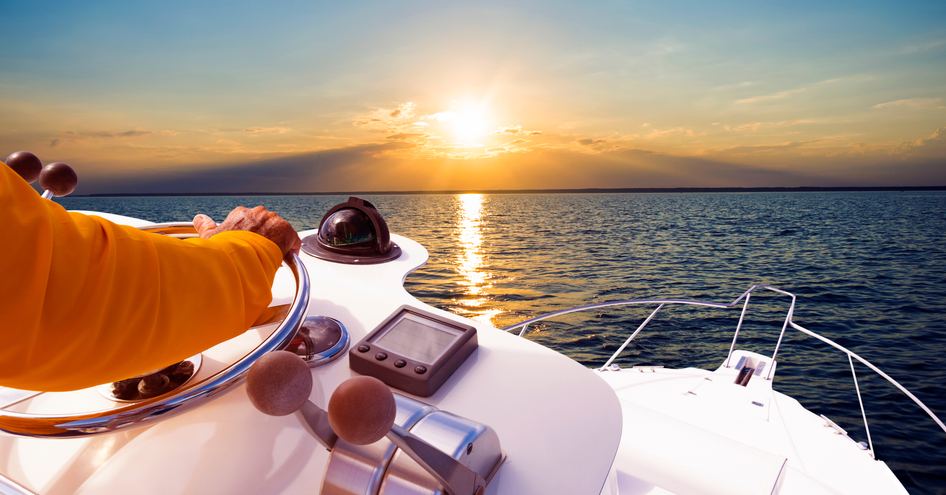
point(400, 363)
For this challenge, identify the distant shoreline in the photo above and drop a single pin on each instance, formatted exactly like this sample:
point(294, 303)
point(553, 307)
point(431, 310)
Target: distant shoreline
point(541, 191)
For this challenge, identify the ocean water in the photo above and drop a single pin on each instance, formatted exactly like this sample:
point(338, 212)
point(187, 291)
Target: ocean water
point(869, 270)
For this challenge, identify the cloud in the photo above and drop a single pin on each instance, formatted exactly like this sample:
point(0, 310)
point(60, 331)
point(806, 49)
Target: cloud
point(517, 130)
point(591, 142)
point(259, 131)
point(403, 111)
point(382, 167)
point(780, 95)
point(107, 134)
point(407, 136)
point(305, 172)
point(77, 136)
point(933, 145)
point(923, 47)
point(763, 125)
point(764, 149)
point(912, 103)
point(788, 93)
point(735, 85)
point(671, 131)
point(388, 119)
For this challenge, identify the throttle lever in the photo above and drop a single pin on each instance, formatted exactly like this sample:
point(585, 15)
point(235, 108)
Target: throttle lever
point(279, 384)
point(362, 411)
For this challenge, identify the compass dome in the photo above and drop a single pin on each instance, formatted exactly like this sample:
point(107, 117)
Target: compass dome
point(353, 232)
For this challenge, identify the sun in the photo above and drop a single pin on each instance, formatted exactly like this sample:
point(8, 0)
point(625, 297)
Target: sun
point(469, 123)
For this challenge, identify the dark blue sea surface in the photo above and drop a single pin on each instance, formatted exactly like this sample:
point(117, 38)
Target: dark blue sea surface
point(869, 270)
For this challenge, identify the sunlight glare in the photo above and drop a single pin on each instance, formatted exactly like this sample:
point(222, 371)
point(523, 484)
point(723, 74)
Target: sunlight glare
point(469, 123)
point(470, 265)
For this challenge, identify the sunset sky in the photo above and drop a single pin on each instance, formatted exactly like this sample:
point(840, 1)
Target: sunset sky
point(304, 96)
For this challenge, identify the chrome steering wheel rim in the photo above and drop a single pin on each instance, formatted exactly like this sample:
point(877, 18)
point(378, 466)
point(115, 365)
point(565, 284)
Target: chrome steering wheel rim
point(73, 425)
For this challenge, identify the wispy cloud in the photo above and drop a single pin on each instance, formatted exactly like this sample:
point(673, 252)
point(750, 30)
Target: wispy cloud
point(86, 135)
point(591, 141)
point(912, 103)
point(933, 145)
point(764, 149)
point(760, 126)
point(259, 131)
point(779, 95)
point(387, 119)
point(788, 93)
point(735, 85)
point(407, 136)
point(921, 47)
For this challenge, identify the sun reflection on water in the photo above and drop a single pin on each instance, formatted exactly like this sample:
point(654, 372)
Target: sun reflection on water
point(470, 263)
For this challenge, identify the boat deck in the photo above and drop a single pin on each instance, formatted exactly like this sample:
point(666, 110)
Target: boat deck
point(695, 431)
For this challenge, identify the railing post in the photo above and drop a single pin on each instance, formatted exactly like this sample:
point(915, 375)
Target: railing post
point(860, 401)
point(742, 315)
point(788, 318)
point(524, 329)
point(629, 339)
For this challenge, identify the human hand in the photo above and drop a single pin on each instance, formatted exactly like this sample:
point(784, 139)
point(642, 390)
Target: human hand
point(258, 220)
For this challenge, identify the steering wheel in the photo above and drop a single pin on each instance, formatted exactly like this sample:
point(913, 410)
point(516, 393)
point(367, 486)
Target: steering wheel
point(88, 423)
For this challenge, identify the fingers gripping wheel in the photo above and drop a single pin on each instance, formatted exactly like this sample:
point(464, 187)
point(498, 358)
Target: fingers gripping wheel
point(201, 389)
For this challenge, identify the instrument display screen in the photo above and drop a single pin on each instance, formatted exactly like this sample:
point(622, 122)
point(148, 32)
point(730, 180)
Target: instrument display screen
point(416, 338)
point(414, 350)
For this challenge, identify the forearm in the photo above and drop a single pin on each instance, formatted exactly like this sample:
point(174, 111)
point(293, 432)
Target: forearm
point(84, 301)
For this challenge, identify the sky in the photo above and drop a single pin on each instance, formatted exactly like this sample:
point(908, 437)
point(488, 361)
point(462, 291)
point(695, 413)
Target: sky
point(387, 96)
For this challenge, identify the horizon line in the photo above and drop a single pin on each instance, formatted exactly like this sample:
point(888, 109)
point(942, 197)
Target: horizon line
point(540, 191)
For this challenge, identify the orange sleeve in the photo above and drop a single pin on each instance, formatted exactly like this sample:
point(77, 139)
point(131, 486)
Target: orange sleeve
point(84, 301)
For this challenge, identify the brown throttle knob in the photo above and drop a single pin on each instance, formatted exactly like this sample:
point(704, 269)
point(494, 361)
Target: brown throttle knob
point(26, 164)
point(58, 178)
point(362, 410)
point(279, 383)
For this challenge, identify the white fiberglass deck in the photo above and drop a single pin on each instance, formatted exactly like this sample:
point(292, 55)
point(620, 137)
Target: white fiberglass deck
point(695, 431)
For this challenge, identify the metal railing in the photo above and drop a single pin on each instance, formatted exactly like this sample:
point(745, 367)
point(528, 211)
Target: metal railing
point(744, 298)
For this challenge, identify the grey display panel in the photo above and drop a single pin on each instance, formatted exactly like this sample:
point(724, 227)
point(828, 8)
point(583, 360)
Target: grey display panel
point(413, 350)
point(417, 338)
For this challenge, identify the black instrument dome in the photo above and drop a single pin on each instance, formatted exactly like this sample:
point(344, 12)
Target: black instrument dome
point(353, 232)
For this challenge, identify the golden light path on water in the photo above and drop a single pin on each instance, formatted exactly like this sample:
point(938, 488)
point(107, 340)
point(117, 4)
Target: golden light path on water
point(470, 264)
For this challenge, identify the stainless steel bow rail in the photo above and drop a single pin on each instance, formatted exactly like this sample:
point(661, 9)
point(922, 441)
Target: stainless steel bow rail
point(87, 423)
point(744, 298)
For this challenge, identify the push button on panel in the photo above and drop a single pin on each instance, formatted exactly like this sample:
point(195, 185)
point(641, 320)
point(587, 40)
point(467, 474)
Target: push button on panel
point(363, 348)
point(400, 363)
point(381, 356)
point(420, 370)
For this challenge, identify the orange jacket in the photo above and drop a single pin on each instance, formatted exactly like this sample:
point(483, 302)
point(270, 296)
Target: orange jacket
point(84, 301)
